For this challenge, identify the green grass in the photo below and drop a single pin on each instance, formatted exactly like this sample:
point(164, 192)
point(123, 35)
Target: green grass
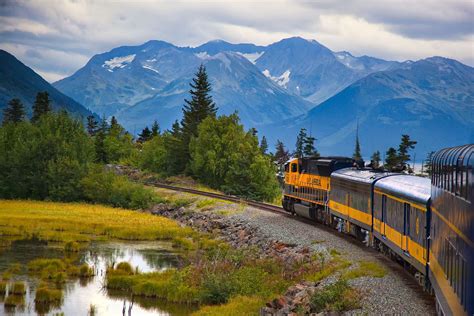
point(46, 295)
point(79, 222)
point(18, 288)
point(14, 301)
point(3, 287)
point(72, 246)
point(205, 204)
point(337, 297)
point(365, 268)
point(239, 305)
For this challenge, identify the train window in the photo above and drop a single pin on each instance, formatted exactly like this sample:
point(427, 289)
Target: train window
point(287, 167)
point(294, 167)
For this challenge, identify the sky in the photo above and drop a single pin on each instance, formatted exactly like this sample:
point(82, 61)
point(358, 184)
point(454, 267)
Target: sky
point(56, 38)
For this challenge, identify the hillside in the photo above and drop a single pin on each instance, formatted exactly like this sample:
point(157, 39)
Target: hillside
point(19, 81)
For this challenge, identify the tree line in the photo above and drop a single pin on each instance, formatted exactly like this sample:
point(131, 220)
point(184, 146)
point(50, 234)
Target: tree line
point(54, 156)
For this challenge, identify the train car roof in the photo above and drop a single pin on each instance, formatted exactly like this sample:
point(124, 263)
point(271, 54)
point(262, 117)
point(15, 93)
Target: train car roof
point(360, 175)
point(417, 189)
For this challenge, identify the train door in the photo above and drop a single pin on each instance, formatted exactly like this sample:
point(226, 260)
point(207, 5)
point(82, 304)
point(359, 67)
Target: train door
point(384, 214)
point(406, 225)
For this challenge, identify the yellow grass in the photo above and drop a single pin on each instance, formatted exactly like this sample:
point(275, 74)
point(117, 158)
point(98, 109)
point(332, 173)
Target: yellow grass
point(82, 222)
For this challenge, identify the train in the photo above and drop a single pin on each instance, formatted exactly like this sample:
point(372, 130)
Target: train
point(427, 224)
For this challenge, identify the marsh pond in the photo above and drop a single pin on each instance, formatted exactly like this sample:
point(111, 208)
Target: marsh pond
point(82, 291)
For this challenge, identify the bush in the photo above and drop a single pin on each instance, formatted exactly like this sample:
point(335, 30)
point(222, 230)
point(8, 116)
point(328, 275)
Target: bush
point(105, 187)
point(216, 289)
point(335, 297)
point(85, 271)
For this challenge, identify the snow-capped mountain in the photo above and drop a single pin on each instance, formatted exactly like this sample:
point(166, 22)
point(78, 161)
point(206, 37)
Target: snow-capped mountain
point(237, 86)
point(432, 100)
point(273, 88)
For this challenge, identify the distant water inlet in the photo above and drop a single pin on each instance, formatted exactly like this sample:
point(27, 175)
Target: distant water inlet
point(29, 284)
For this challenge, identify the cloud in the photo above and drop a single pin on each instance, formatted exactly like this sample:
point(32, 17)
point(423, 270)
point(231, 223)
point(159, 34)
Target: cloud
point(58, 37)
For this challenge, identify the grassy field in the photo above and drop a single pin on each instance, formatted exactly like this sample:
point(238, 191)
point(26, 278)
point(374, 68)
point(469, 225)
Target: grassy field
point(66, 222)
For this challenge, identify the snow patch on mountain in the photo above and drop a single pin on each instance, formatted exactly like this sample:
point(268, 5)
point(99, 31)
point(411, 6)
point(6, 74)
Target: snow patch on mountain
point(150, 68)
point(282, 80)
point(202, 55)
point(118, 62)
point(252, 57)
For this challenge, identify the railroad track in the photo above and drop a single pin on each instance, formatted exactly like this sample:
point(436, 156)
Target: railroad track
point(260, 205)
point(393, 265)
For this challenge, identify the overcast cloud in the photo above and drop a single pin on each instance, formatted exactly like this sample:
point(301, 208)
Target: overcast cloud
point(56, 38)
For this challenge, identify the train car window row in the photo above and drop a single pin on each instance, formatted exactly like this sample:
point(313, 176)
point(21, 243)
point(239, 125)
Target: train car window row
point(451, 173)
point(455, 269)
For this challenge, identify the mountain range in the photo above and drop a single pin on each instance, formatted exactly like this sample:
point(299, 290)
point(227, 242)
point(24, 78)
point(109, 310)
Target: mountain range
point(19, 81)
point(284, 86)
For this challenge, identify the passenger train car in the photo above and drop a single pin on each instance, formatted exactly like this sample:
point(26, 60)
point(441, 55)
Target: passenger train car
point(426, 225)
point(451, 252)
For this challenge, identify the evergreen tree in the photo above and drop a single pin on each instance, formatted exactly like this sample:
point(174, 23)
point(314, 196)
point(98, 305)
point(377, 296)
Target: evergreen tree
point(375, 159)
point(357, 153)
point(254, 131)
point(309, 150)
point(14, 113)
point(281, 154)
point(145, 135)
point(41, 106)
point(429, 163)
point(197, 109)
point(405, 145)
point(391, 160)
point(91, 125)
point(264, 145)
point(155, 129)
point(300, 143)
point(113, 122)
point(101, 135)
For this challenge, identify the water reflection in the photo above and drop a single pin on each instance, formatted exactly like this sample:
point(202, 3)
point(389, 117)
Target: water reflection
point(80, 294)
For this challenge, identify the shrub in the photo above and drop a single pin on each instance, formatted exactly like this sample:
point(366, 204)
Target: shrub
point(18, 288)
point(216, 289)
point(335, 297)
point(105, 187)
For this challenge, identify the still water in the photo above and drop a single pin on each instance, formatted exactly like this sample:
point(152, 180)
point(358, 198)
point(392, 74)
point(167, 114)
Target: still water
point(80, 294)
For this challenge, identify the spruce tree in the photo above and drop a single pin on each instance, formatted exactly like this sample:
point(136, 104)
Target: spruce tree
point(155, 129)
point(264, 145)
point(91, 125)
point(197, 109)
point(391, 160)
point(281, 154)
point(145, 135)
point(357, 154)
point(375, 159)
point(300, 143)
point(41, 106)
point(101, 135)
point(113, 122)
point(429, 163)
point(308, 149)
point(14, 113)
point(405, 145)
